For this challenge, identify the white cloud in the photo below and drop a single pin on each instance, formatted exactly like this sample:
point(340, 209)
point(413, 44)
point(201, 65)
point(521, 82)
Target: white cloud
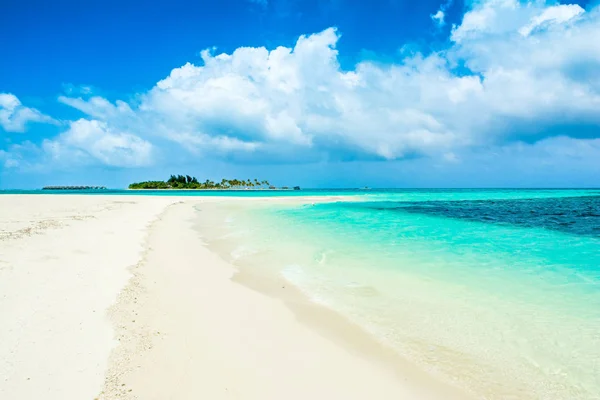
point(263, 101)
point(98, 107)
point(299, 104)
point(21, 156)
point(493, 17)
point(14, 116)
point(552, 15)
point(91, 141)
point(438, 18)
point(260, 100)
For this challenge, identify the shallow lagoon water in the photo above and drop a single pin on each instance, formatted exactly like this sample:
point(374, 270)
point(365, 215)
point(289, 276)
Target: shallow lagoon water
point(495, 291)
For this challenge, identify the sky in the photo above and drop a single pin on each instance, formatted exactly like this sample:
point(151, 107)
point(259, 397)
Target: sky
point(316, 93)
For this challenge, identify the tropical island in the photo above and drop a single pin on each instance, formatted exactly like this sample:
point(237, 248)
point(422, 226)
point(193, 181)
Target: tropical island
point(190, 182)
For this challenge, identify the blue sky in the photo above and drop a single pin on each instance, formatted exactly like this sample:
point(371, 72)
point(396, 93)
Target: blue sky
point(317, 93)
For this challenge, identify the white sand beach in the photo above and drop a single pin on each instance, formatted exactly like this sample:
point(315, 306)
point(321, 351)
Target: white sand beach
point(101, 298)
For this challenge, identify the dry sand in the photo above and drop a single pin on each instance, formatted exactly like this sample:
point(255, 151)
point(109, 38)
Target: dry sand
point(115, 297)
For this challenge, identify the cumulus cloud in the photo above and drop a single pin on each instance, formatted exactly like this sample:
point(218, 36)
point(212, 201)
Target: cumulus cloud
point(259, 100)
point(14, 116)
point(492, 17)
point(538, 83)
point(92, 141)
point(552, 15)
point(256, 100)
point(514, 72)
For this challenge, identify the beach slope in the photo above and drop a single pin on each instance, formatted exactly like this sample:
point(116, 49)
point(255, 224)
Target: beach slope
point(116, 297)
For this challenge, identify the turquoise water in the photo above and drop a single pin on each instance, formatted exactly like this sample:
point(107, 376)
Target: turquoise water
point(496, 291)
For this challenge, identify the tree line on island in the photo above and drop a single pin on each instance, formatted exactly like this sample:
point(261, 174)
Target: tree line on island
point(190, 182)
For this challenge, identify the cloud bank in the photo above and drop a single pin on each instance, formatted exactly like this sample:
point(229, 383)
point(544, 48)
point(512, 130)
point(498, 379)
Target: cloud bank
point(513, 74)
point(14, 116)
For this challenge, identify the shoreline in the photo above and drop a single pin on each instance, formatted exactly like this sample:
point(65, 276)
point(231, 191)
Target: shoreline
point(180, 324)
point(153, 340)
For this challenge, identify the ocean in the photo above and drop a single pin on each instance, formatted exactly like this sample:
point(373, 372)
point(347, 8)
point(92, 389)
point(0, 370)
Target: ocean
point(495, 291)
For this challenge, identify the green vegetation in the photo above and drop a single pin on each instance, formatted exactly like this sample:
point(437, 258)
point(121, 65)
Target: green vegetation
point(190, 182)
